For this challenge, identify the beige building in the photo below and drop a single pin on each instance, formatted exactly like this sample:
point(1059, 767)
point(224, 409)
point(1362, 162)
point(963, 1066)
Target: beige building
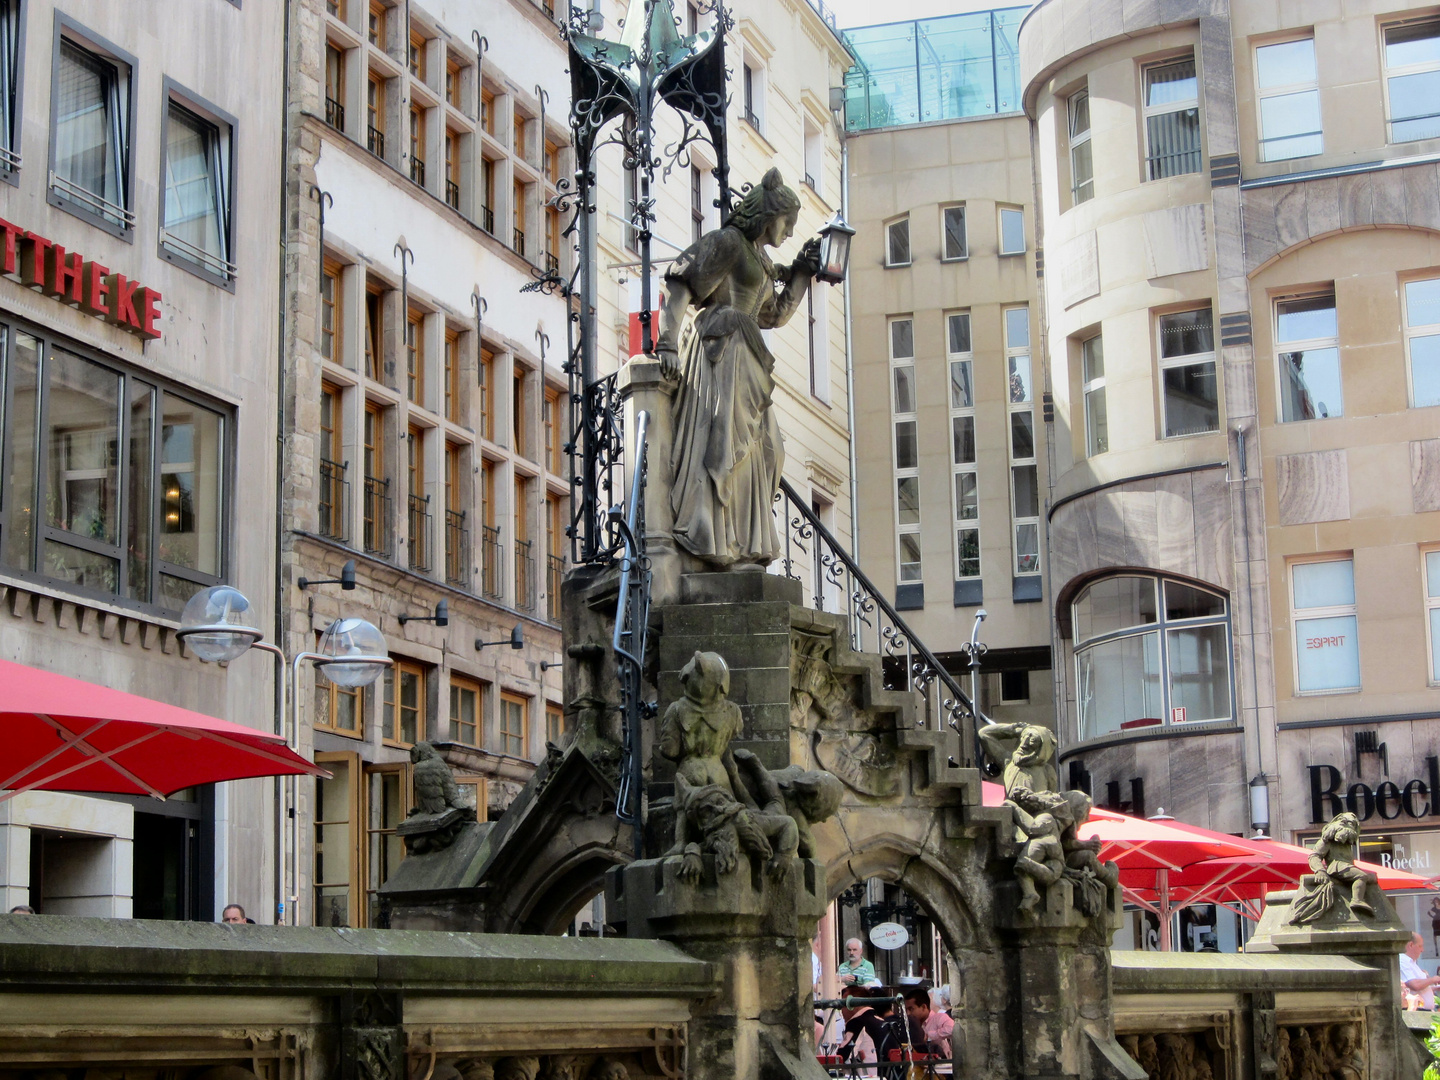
point(140, 173)
point(1242, 312)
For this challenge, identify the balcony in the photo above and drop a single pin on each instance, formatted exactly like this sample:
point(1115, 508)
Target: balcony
point(417, 171)
point(487, 219)
point(457, 550)
point(452, 194)
point(375, 140)
point(379, 538)
point(334, 499)
point(554, 574)
point(519, 241)
point(334, 113)
point(524, 575)
point(420, 522)
point(490, 555)
point(552, 262)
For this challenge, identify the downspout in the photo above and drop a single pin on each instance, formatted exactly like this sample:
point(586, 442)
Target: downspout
point(849, 359)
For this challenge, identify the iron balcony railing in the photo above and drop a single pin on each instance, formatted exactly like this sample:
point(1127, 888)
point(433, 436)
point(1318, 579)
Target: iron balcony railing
point(487, 219)
point(379, 538)
point(334, 113)
point(752, 119)
point(524, 575)
point(552, 262)
point(554, 574)
point(452, 194)
point(490, 562)
point(417, 171)
point(418, 536)
point(457, 549)
point(519, 241)
point(375, 140)
point(334, 499)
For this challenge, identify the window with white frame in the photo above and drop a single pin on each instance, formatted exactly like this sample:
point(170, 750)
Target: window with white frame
point(1431, 561)
point(91, 119)
point(953, 240)
point(196, 173)
point(1172, 119)
point(753, 85)
point(1012, 230)
point(1082, 164)
point(814, 151)
point(9, 85)
point(1024, 471)
point(1189, 394)
point(818, 346)
point(1150, 652)
point(1412, 79)
point(897, 243)
point(1322, 611)
point(1307, 349)
point(906, 448)
point(1092, 374)
point(1422, 341)
point(1289, 100)
point(965, 479)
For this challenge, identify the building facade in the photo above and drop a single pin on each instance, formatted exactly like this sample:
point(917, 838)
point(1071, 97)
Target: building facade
point(1239, 212)
point(140, 170)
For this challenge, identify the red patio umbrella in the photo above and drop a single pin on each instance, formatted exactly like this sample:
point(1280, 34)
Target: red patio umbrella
point(62, 734)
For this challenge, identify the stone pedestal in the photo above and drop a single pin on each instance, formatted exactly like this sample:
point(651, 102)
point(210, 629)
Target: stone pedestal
point(755, 930)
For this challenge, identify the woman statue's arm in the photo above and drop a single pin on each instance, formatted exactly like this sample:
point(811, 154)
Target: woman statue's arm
point(672, 315)
point(797, 278)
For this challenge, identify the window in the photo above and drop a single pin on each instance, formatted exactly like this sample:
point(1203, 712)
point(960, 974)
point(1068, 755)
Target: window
point(378, 537)
point(1172, 119)
point(457, 533)
point(1422, 341)
point(1327, 654)
point(1412, 79)
point(375, 27)
point(1150, 652)
point(525, 576)
point(415, 356)
point(387, 796)
point(518, 211)
point(897, 243)
point(1024, 471)
point(554, 555)
point(487, 111)
point(454, 79)
point(907, 454)
point(375, 115)
point(487, 195)
point(1289, 100)
point(332, 503)
point(1308, 354)
point(817, 342)
point(10, 82)
point(1012, 231)
point(1189, 392)
point(196, 171)
point(452, 375)
point(466, 700)
point(417, 146)
point(490, 555)
point(754, 87)
point(1092, 374)
point(340, 709)
point(332, 318)
point(965, 478)
point(487, 395)
point(518, 430)
point(814, 153)
point(417, 506)
point(697, 204)
point(334, 87)
point(374, 332)
point(92, 116)
point(1082, 165)
point(1014, 687)
point(115, 483)
point(553, 419)
point(403, 719)
point(553, 228)
point(452, 167)
point(632, 201)
point(953, 241)
point(417, 55)
point(337, 812)
point(551, 165)
point(555, 726)
point(514, 719)
point(1431, 561)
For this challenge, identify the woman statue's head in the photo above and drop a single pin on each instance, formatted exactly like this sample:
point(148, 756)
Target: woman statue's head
point(762, 204)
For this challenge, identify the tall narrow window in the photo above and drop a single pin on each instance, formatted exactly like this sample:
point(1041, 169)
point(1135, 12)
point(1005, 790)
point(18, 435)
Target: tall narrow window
point(1322, 600)
point(487, 111)
point(554, 421)
point(1289, 100)
point(454, 79)
point(514, 720)
point(487, 394)
point(1422, 341)
point(1431, 561)
point(378, 535)
point(1024, 475)
point(697, 203)
point(374, 333)
point(332, 484)
point(452, 375)
point(897, 243)
point(417, 507)
point(1012, 230)
point(965, 477)
point(417, 55)
point(1190, 399)
point(334, 87)
point(375, 26)
point(1412, 79)
point(1308, 354)
point(487, 195)
point(9, 85)
point(953, 240)
point(375, 115)
point(817, 346)
point(91, 124)
point(754, 89)
point(332, 317)
point(1092, 368)
point(417, 146)
point(457, 530)
point(1172, 119)
point(525, 580)
point(337, 815)
point(814, 151)
point(403, 718)
point(1082, 164)
point(520, 214)
point(906, 446)
point(197, 192)
point(466, 697)
point(415, 356)
point(452, 167)
point(519, 432)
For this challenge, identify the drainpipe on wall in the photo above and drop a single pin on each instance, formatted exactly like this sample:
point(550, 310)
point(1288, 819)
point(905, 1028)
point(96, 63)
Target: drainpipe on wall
point(849, 359)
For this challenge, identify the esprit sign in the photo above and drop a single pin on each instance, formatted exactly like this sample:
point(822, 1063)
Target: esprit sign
point(73, 279)
point(1329, 795)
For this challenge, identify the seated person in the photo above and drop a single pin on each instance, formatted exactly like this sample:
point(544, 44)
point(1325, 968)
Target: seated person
point(930, 1029)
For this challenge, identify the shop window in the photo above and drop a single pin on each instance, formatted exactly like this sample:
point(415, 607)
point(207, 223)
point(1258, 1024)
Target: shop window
point(1150, 652)
point(403, 718)
point(1307, 341)
point(1092, 374)
point(514, 723)
point(954, 243)
point(1412, 79)
point(1422, 341)
point(1289, 100)
point(963, 457)
point(1082, 164)
point(1327, 650)
point(906, 448)
point(91, 117)
point(467, 701)
point(10, 83)
point(1189, 391)
point(897, 243)
point(1432, 610)
point(1172, 119)
point(1012, 231)
point(196, 176)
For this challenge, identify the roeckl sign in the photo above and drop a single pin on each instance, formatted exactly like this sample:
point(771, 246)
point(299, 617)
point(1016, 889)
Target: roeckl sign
point(73, 279)
point(1414, 798)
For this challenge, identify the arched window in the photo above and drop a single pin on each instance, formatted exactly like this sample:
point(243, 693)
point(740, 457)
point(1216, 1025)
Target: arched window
point(1150, 651)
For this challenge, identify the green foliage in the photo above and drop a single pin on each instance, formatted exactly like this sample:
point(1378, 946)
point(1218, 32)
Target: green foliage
point(1432, 1043)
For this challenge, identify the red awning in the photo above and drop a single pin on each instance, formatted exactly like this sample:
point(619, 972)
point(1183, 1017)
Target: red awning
point(62, 734)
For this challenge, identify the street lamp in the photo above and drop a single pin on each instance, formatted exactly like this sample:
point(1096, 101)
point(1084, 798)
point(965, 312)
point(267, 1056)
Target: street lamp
point(352, 653)
point(1260, 807)
point(835, 237)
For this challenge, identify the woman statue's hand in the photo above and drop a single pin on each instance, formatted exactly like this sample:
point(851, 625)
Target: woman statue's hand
point(669, 361)
point(808, 261)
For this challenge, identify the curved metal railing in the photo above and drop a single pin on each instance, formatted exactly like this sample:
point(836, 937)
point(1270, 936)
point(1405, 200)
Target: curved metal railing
point(632, 620)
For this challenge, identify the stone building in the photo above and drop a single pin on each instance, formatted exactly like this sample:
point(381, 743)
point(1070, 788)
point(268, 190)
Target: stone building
point(140, 170)
point(425, 406)
point(1238, 206)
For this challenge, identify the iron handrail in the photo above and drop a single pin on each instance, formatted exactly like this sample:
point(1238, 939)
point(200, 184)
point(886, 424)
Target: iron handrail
point(632, 619)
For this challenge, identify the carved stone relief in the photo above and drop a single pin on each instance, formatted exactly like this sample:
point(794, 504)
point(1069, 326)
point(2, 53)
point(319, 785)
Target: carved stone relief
point(847, 740)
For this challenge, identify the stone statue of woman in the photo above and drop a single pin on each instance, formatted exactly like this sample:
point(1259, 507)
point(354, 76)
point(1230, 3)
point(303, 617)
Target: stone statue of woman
point(727, 454)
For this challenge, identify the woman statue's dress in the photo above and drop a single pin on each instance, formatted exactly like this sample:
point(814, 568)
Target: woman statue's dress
point(728, 452)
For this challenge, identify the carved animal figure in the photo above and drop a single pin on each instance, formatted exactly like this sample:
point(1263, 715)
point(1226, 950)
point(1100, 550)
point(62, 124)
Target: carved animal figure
point(435, 788)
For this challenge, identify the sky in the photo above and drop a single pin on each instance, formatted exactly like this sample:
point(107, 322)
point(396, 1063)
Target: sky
point(869, 12)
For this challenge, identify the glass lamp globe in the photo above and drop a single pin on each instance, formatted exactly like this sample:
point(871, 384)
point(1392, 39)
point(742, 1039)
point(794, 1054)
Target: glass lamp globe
point(353, 653)
point(216, 624)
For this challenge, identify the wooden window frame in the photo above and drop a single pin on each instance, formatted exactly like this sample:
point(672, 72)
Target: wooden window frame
point(504, 734)
point(391, 733)
point(479, 688)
